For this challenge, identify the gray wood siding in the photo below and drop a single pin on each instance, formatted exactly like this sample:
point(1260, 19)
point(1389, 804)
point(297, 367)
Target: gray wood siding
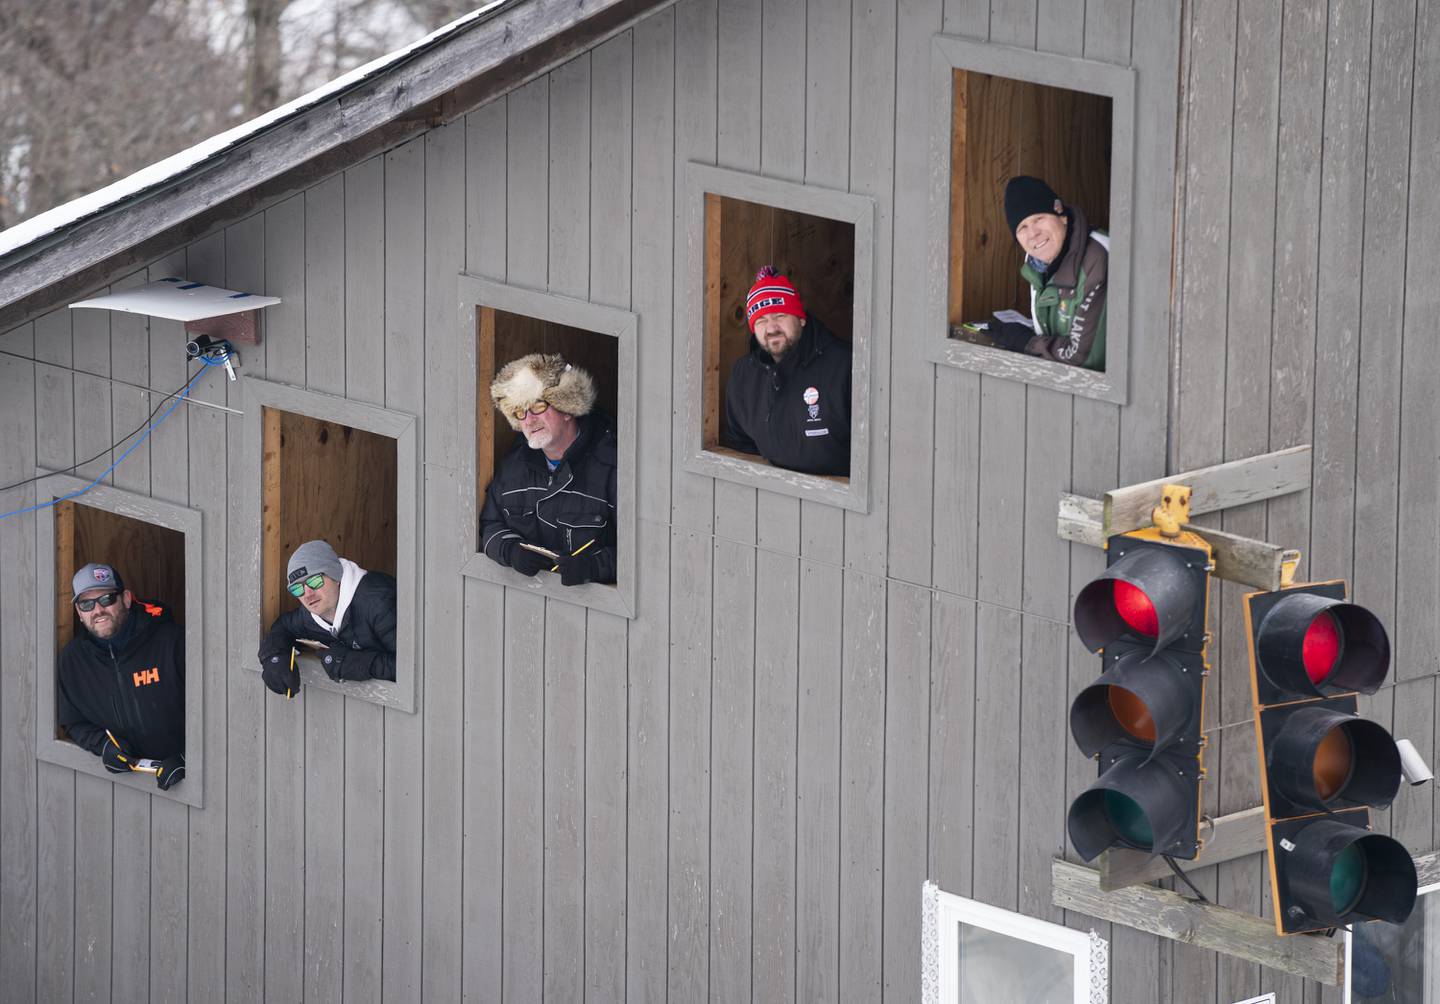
point(737, 794)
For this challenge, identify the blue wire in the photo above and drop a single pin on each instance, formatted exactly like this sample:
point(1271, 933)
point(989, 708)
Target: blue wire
point(185, 391)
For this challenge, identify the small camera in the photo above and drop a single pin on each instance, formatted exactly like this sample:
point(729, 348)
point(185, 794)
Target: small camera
point(200, 345)
point(1412, 765)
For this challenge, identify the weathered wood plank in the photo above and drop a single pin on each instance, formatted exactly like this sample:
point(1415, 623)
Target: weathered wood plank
point(1044, 720)
point(244, 702)
point(445, 542)
point(1171, 915)
point(907, 719)
point(363, 739)
point(403, 874)
point(690, 736)
point(776, 744)
point(522, 973)
point(952, 743)
point(695, 86)
point(109, 960)
point(606, 636)
point(862, 788)
point(169, 846)
point(55, 884)
point(1222, 486)
point(818, 771)
point(652, 186)
point(1416, 637)
point(997, 753)
point(732, 767)
point(1229, 837)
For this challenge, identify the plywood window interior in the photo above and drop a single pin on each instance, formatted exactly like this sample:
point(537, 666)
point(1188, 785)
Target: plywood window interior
point(504, 336)
point(1001, 128)
point(150, 560)
point(816, 253)
point(323, 480)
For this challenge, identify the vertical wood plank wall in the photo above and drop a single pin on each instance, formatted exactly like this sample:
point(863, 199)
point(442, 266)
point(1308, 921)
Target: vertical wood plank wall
point(737, 794)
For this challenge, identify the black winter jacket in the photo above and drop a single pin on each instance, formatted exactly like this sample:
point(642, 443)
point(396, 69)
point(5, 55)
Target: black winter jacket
point(795, 413)
point(558, 510)
point(363, 648)
point(133, 685)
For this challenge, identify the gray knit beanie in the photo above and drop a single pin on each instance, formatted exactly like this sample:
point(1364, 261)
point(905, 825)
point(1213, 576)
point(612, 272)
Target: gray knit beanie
point(311, 558)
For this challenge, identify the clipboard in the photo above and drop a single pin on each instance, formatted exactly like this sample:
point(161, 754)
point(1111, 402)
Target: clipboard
point(545, 551)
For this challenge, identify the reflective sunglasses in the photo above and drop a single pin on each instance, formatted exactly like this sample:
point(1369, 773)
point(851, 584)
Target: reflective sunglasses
point(538, 408)
point(85, 606)
point(297, 589)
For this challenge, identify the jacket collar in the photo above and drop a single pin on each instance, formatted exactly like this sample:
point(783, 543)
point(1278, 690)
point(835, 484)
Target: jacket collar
point(589, 427)
point(1067, 270)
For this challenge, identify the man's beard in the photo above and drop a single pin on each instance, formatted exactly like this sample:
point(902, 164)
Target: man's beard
point(117, 621)
point(539, 439)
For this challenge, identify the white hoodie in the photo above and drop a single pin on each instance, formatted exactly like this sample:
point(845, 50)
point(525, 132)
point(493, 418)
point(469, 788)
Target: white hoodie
point(350, 576)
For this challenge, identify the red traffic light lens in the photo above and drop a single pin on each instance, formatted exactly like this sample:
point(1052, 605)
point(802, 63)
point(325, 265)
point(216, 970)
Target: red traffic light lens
point(1135, 609)
point(1333, 764)
point(1320, 650)
point(1131, 714)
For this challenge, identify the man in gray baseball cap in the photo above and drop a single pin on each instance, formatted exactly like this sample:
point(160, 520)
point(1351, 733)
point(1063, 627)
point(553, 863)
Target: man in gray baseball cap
point(346, 613)
point(122, 679)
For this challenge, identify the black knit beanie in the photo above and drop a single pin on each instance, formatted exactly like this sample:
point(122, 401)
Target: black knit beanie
point(1026, 196)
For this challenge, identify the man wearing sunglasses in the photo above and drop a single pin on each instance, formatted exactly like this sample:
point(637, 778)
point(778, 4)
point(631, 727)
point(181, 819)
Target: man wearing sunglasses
point(122, 679)
point(350, 612)
point(555, 490)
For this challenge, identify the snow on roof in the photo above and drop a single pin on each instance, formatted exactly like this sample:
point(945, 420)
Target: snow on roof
point(157, 174)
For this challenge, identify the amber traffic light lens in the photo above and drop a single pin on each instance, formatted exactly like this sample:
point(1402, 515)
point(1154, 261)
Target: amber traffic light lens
point(1132, 714)
point(1135, 609)
point(1334, 762)
point(1320, 649)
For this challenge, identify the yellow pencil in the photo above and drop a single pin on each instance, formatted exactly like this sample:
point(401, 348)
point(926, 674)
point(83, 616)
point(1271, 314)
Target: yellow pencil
point(288, 694)
point(122, 756)
point(575, 552)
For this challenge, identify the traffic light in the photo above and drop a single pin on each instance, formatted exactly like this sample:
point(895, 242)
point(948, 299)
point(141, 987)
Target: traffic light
point(1142, 717)
point(1322, 766)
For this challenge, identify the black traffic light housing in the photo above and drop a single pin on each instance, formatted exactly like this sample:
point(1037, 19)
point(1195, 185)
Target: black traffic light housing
point(1322, 766)
point(1141, 719)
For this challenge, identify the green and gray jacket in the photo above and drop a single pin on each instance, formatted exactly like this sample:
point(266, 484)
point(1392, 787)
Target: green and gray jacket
point(1067, 304)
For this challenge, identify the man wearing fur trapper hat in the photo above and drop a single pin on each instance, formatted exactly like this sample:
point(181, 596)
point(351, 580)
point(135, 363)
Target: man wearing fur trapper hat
point(788, 398)
point(551, 504)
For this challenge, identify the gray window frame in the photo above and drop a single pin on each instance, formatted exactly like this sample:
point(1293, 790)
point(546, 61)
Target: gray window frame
point(63, 752)
point(622, 325)
point(403, 693)
point(858, 210)
point(1115, 82)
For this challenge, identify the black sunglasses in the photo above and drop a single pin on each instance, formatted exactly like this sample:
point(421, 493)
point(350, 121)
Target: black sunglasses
point(85, 606)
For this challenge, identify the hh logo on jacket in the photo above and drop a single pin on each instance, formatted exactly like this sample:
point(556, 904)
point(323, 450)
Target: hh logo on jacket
point(147, 676)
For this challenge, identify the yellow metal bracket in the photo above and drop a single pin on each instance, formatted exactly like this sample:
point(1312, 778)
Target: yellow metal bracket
point(1173, 512)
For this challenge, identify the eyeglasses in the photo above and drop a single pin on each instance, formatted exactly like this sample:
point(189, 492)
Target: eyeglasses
point(538, 408)
point(85, 606)
point(297, 589)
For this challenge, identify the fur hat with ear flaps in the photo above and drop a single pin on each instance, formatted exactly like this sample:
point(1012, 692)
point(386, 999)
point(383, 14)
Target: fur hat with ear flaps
point(546, 378)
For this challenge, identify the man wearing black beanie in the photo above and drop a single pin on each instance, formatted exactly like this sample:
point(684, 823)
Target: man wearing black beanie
point(1066, 264)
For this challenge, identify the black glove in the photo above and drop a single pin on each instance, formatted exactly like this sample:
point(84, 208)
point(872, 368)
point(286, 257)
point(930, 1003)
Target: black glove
point(276, 673)
point(171, 772)
point(116, 760)
point(1012, 336)
point(575, 569)
point(331, 659)
point(526, 561)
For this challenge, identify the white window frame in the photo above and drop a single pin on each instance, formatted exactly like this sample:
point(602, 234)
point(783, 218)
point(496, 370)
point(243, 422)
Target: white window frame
point(940, 966)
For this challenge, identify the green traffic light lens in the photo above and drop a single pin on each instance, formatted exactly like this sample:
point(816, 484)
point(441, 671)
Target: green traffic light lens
point(1347, 878)
point(1128, 821)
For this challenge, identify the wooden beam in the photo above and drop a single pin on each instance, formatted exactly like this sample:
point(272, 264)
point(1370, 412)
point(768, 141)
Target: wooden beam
point(1251, 562)
point(1225, 486)
point(1218, 928)
point(1427, 869)
point(1237, 835)
point(495, 55)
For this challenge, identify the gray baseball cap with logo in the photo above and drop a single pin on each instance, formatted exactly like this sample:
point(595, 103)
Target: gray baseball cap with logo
point(96, 576)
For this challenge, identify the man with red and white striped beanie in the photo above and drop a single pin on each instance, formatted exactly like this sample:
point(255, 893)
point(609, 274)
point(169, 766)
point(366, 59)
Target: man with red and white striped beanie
point(788, 398)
